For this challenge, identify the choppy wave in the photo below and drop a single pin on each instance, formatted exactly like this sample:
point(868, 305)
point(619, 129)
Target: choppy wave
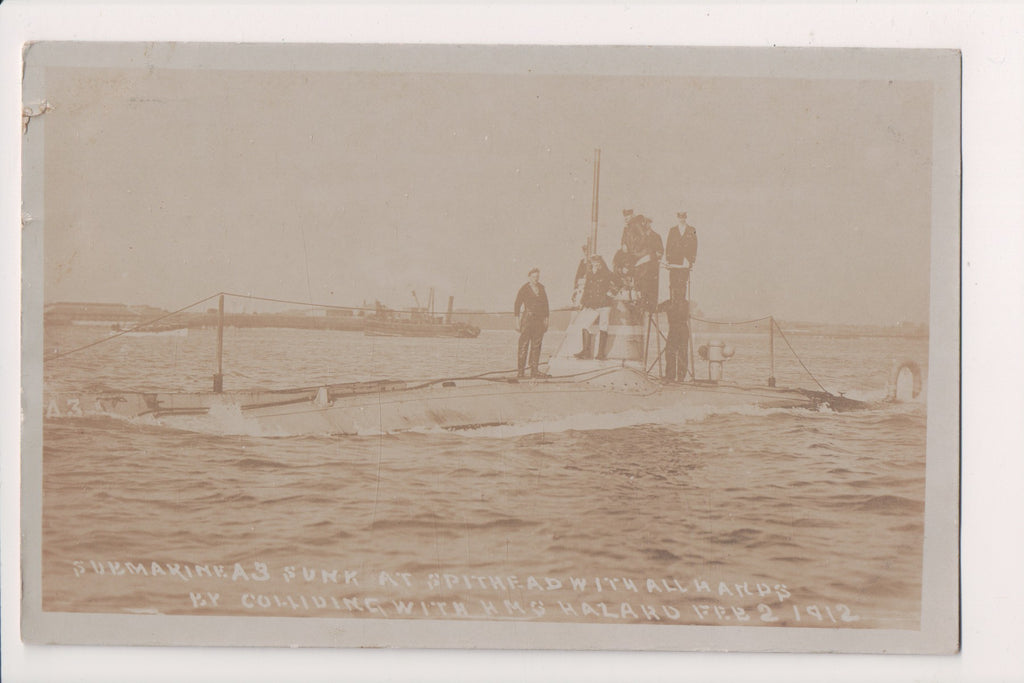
point(828, 504)
point(672, 417)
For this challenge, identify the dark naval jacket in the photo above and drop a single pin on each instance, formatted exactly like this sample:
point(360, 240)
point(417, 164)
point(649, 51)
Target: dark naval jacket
point(598, 288)
point(534, 305)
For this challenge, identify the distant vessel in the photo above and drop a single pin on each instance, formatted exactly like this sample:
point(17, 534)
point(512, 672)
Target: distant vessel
point(416, 328)
point(157, 330)
point(104, 314)
point(420, 321)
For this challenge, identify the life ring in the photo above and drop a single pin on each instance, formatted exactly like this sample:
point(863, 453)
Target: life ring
point(895, 395)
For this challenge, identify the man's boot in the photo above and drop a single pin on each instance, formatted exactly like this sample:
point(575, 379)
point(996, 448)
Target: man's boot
point(588, 347)
point(521, 358)
point(602, 345)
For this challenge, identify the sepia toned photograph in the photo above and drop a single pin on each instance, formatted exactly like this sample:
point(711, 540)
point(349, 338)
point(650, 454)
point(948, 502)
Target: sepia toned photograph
point(504, 347)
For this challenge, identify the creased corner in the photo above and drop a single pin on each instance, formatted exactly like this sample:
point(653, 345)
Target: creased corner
point(32, 110)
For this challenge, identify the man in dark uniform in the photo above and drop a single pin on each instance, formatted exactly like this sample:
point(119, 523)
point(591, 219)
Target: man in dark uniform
point(677, 309)
point(595, 304)
point(633, 232)
point(648, 253)
point(680, 255)
point(533, 301)
point(622, 267)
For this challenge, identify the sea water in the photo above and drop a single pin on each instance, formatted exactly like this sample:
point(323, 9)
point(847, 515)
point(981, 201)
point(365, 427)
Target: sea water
point(751, 517)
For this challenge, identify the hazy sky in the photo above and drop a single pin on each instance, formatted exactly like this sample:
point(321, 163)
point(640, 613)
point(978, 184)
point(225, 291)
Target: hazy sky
point(811, 198)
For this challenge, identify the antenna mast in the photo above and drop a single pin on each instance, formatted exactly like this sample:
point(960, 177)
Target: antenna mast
point(592, 242)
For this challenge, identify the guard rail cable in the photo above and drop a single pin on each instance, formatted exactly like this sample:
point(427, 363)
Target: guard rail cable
point(147, 323)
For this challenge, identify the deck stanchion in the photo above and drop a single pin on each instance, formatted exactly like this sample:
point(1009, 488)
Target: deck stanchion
point(657, 344)
point(592, 241)
point(647, 341)
point(771, 351)
point(689, 351)
point(218, 379)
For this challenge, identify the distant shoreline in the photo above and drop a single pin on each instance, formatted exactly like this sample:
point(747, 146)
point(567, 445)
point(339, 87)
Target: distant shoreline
point(354, 320)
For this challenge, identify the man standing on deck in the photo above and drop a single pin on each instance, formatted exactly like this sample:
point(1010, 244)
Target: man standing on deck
point(680, 255)
point(649, 250)
point(677, 310)
point(596, 304)
point(533, 301)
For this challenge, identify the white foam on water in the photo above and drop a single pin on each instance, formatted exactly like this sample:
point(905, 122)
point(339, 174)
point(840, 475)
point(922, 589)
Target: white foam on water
point(674, 416)
point(222, 420)
point(229, 420)
point(866, 395)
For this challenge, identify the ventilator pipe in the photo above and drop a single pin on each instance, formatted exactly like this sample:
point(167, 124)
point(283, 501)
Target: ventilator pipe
point(715, 353)
point(719, 351)
point(218, 377)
